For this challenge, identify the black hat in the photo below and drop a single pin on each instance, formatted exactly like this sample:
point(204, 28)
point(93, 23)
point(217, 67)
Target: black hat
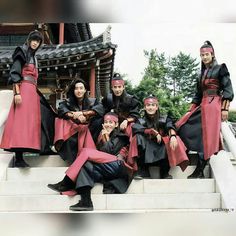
point(117, 76)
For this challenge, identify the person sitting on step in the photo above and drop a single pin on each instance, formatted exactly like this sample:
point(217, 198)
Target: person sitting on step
point(155, 143)
point(105, 165)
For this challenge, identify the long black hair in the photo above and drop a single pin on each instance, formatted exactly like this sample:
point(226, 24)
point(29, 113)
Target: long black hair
point(71, 96)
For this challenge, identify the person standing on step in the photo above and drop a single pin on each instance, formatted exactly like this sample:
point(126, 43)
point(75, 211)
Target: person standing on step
point(106, 165)
point(26, 128)
point(126, 106)
point(79, 123)
point(200, 127)
point(155, 143)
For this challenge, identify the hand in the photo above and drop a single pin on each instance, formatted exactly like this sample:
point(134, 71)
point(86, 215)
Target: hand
point(151, 132)
point(17, 99)
point(105, 134)
point(120, 157)
point(224, 115)
point(104, 130)
point(159, 138)
point(124, 124)
point(76, 114)
point(82, 119)
point(173, 142)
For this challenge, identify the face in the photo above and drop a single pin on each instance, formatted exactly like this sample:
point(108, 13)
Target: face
point(206, 58)
point(151, 108)
point(34, 44)
point(118, 90)
point(110, 125)
point(79, 90)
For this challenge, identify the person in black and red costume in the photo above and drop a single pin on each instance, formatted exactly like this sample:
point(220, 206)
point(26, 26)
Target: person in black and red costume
point(126, 106)
point(79, 123)
point(155, 142)
point(106, 165)
point(200, 127)
point(30, 123)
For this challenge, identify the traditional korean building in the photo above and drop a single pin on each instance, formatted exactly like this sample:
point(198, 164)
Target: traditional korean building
point(69, 52)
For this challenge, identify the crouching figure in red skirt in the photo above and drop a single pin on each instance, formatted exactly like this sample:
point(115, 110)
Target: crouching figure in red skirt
point(200, 127)
point(106, 165)
point(26, 124)
point(155, 143)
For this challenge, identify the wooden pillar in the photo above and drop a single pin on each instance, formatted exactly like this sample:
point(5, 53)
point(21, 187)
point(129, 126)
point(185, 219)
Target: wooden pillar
point(92, 83)
point(61, 33)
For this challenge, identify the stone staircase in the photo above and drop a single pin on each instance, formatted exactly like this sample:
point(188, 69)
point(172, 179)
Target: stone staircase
point(25, 190)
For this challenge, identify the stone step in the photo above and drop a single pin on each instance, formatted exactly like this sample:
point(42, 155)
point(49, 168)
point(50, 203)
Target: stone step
point(234, 164)
point(54, 203)
point(137, 187)
point(5, 160)
point(45, 161)
point(52, 174)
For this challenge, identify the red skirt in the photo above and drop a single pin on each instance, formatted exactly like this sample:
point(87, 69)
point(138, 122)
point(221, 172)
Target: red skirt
point(23, 126)
point(177, 157)
point(210, 125)
point(64, 129)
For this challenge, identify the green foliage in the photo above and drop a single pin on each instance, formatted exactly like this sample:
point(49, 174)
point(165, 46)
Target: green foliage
point(171, 80)
point(232, 116)
point(183, 74)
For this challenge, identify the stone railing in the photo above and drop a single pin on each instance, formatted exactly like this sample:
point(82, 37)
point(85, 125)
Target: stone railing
point(223, 170)
point(5, 103)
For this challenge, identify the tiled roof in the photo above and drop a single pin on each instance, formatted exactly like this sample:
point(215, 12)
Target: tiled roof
point(98, 51)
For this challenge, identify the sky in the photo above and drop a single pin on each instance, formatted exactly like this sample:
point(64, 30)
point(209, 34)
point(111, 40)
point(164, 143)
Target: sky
point(170, 38)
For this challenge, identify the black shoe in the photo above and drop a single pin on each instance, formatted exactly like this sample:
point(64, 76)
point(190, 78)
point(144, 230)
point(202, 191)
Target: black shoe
point(197, 174)
point(142, 173)
point(21, 164)
point(59, 187)
point(82, 206)
point(167, 176)
point(138, 176)
point(109, 190)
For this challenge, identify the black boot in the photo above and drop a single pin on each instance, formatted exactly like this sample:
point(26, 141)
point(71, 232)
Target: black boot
point(65, 185)
point(198, 172)
point(85, 204)
point(142, 173)
point(108, 188)
point(164, 169)
point(19, 161)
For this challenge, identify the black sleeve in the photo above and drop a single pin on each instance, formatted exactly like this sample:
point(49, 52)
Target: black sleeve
point(19, 59)
point(99, 108)
point(134, 109)
point(106, 105)
point(225, 82)
point(114, 145)
point(169, 124)
point(137, 128)
point(15, 72)
point(63, 109)
point(198, 95)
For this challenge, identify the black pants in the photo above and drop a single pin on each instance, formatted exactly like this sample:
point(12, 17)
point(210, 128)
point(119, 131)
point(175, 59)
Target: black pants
point(113, 172)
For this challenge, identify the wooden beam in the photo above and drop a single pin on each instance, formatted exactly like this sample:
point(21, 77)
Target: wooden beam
point(92, 82)
point(61, 33)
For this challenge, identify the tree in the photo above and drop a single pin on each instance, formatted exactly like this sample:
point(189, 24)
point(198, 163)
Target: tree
point(182, 76)
point(157, 68)
point(171, 80)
